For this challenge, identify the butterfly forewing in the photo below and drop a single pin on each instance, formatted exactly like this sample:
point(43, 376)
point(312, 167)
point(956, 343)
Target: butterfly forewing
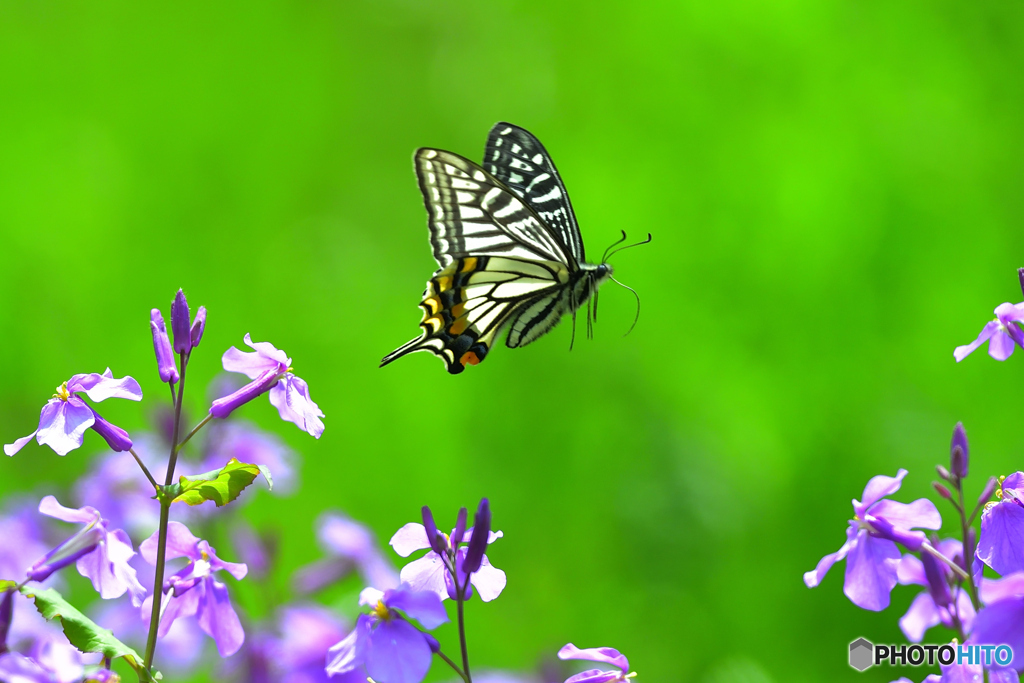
point(518, 159)
point(471, 213)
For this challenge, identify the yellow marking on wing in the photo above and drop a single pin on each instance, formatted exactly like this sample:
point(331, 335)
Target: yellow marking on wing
point(469, 358)
point(459, 326)
point(469, 264)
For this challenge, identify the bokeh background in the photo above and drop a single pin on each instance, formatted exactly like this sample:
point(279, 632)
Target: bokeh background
point(834, 193)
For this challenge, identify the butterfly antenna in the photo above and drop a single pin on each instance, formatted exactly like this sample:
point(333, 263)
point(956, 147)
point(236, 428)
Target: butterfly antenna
point(628, 246)
point(604, 259)
point(637, 301)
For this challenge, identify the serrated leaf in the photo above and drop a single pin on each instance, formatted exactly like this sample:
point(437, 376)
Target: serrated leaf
point(221, 486)
point(81, 631)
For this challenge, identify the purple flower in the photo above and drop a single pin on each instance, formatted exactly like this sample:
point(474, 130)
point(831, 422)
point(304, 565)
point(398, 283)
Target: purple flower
point(350, 545)
point(180, 649)
point(270, 369)
point(195, 591)
point(198, 327)
point(870, 551)
point(101, 555)
point(384, 645)
point(21, 669)
point(1002, 334)
point(967, 673)
point(165, 364)
point(65, 417)
point(935, 605)
point(432, 572)
point(1001, 621)
point(1001, 545)
point(604, 655)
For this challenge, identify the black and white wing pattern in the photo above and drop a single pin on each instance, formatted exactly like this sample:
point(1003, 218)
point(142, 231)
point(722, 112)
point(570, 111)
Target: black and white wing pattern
point(471, 213)
point(518, 159)
point(497, 258)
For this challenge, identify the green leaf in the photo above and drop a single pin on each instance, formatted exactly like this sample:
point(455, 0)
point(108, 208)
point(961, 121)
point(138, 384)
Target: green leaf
point(7, 585)
point(83, 632)
point(221, 486)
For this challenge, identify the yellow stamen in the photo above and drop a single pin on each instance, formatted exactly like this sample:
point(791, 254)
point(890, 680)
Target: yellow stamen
point(382, 611)
point(62, 392)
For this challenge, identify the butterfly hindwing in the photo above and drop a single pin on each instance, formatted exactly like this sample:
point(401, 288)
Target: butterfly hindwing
point(471, 213)
point(518, 159)
point(469, 301)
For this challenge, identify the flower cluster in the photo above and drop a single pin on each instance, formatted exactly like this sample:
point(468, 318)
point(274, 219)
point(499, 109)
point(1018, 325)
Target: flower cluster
point(885, 546)
point(176, 593)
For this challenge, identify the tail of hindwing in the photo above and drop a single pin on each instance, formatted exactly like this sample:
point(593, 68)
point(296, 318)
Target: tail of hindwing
point(448, 332)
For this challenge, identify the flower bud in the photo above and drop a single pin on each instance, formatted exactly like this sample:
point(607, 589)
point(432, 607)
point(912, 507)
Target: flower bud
point(162, 345)
point(198, 326)
point(432, 643)
point(942, 472)
point(436, 540)
point(937, 586)
point(990, 488)
point(1020, 275)
point(116, 438)
point(941, 490)
point(460, 528)
point(180, 324)
point(478, 541)
point(958, 452)
point(223, 407)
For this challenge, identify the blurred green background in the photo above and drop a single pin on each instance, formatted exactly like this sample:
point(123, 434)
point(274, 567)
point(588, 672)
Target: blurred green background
point(834, 193)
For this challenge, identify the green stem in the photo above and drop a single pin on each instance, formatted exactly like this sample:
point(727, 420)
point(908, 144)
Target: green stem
point(452, 664)
point(460, 592)
point(145, 470)
point(165, 509)
point(194, 431)
point(972, 590)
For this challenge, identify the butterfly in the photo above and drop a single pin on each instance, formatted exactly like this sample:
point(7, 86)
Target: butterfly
point(508, 246)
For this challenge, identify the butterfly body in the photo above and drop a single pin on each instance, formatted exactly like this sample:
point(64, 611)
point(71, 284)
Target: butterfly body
point(508, 246)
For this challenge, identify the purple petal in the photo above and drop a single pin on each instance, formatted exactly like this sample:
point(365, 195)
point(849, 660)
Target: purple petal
point(343, 537)
point(51, 508)
point(1001, 345)
point(921, 514)
point(291, 398)
point(423, 606)
point(877, 488)
point(252, 365)
point(488, 580)
point(101, 387)
point(18, 668)
point(910, 571)
point(922, 615)
point(109, 571)
point(398, 653)
point(1000, 623)
point(180, 543)
point(63, 423)
point(426, 574)
point(962, 352)
point(605, 655)
point(871, 572)
point(409, 539)
point(1003, 676)
point(308, 632)
point(178, 607)
point(994, 590)
point(236, 569)
point(12, 448)
point(814, 577)
point(218, 619)
point(1001, 545)
point(594, 676)
point(1007, 312)
point(369, 597)
point(198, 326)
point(350, 653)
point(1014, 481)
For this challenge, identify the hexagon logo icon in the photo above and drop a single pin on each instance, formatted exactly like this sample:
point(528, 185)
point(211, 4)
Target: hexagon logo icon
point(861, 654)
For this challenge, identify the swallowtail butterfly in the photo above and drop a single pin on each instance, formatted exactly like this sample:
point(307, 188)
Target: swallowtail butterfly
point(508, 246)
